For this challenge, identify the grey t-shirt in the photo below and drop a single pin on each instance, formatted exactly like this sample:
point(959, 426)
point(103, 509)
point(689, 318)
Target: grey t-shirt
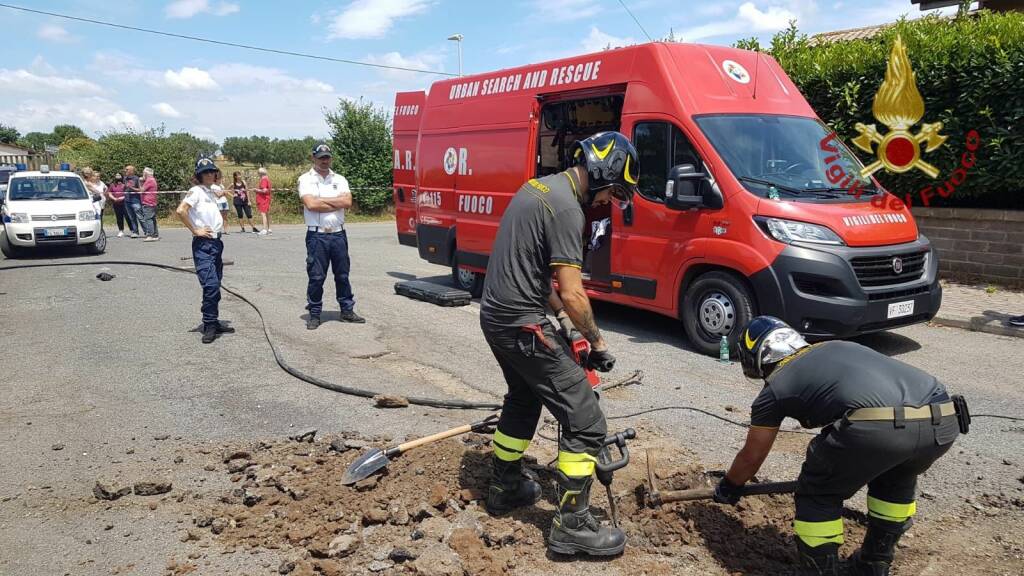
point(542, 227)
point(822, 384)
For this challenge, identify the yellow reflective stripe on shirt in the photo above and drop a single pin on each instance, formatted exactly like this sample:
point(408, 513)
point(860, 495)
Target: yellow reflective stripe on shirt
point(576, 464)
point(817, 533)
point(890, 510)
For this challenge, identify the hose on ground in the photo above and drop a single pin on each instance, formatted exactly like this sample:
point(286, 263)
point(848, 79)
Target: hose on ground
point(278, 357)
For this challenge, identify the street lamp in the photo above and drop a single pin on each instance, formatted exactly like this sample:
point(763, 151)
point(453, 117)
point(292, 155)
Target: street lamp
point(458, 38)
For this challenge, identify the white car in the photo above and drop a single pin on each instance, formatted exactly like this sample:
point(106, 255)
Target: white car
point(49, 208)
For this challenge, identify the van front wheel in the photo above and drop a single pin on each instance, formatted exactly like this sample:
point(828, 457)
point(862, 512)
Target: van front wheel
point(716, 304)
point(467, 280)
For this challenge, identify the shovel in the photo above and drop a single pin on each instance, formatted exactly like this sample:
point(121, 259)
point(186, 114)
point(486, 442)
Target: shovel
point(377, 459)
point(655, 497)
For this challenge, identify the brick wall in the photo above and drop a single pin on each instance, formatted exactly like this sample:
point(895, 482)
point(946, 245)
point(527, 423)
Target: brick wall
point(975, 244)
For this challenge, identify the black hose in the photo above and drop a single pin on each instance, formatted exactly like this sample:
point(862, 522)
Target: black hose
point(278, 357)
point(364, 393)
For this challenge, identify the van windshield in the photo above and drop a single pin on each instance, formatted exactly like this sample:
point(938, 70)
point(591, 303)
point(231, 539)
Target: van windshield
point(784, 155)
point(47, 188)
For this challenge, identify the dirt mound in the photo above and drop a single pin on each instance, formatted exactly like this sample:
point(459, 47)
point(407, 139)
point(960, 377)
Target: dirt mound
point(425, 515)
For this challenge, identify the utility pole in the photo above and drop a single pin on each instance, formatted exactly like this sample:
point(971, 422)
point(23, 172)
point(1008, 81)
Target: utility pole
point(458, 38)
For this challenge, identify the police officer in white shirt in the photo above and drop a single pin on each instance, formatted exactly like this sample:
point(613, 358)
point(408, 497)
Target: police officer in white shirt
point(200, 214)
point(325, 196)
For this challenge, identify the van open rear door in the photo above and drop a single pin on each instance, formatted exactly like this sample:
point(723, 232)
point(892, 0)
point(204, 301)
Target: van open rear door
point(408, 111)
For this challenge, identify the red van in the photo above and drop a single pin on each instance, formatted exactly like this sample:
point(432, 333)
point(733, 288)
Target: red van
point(736, 214)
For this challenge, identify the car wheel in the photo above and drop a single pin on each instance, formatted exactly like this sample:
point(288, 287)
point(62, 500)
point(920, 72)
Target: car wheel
point(99, 246)
point(716, 304)
point(467, 280)
point(8, 249)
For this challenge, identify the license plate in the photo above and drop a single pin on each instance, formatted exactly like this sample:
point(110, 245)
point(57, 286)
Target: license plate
point(55, 231)
point(900, 309)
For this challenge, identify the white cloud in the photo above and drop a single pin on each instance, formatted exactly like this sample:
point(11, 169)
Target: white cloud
point(22, 81)
point(166, 110)
point(597, 41)
point(749, 18)
point(422, 61)
point(40, 66)
point(373, 18)
point(263, 78)
point(55, 33)
point(189, 78)
point(184, 9)
point(93, 114)
point(563, 10)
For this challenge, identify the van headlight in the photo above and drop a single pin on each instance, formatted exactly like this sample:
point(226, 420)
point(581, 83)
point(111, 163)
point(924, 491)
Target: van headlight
point(18, 218)
point(790, 231)
point(86, 215)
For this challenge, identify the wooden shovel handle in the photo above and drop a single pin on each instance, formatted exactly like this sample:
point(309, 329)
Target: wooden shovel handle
point(433, 438)
point(747, 490)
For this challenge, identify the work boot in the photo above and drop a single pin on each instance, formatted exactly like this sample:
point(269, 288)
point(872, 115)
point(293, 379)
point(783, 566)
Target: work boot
point(313, 322)
point(879, 548)
point(351, 316)
point(574, 529)
point(509, 488)
point(209, 333)
point(820, 560)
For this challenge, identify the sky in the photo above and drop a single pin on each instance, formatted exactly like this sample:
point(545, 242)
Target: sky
point(56, 71)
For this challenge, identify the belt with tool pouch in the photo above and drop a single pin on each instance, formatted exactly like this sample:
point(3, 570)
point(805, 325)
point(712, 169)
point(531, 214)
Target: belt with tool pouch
point(934, 412)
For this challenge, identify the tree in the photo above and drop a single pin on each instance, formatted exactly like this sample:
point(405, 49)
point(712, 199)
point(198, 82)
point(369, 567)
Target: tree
point(64, 132)
point(361, 140)
point(9, 134)
point(35, 140)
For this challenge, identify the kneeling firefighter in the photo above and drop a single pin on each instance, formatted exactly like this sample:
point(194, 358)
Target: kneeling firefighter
point(540, 237)
point(884, 423)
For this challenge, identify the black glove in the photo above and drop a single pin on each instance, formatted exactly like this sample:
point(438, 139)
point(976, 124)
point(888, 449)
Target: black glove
point(600, 360)
point(727, 493)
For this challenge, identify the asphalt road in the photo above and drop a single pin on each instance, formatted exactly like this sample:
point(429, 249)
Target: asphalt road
point(97, 366)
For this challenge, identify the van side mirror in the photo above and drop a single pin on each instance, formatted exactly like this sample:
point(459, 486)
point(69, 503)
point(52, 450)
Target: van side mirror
point(682, 188)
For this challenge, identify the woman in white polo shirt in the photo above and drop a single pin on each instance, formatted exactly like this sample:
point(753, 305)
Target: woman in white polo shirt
point(201, 215)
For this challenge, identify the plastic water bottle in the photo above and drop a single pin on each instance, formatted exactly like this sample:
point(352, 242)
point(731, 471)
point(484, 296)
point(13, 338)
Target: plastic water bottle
point(723, 350)
point(773, 193)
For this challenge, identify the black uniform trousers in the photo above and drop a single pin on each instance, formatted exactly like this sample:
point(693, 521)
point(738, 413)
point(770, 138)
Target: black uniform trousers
point(886, 457)
point(541, 373)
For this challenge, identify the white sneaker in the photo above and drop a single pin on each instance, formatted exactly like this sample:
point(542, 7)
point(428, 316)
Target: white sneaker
point(270, 231)
point(120, 234)
point(262, 232)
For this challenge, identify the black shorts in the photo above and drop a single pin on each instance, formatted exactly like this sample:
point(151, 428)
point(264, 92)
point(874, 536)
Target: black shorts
point(243, 209)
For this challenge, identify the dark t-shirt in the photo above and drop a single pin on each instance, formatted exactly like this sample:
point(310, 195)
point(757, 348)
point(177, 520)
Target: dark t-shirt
point(820, 385)
point(131, 182)
point(542, 227)
point(241, 195)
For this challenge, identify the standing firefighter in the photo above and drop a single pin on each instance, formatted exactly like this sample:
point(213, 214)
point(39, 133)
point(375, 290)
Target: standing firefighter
point(199, 213)
point(540, 236)
point(884, 424)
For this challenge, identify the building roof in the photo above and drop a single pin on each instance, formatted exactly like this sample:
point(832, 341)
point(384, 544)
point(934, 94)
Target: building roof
point(848, 34)
point(13, 149)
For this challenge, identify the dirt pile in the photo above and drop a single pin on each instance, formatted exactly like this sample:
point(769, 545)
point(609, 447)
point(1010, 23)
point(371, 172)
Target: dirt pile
point(425, 516)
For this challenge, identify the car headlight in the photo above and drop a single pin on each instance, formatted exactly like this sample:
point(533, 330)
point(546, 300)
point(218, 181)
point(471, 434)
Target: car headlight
point(87, 215)
point(790, 231)
point(18, 218)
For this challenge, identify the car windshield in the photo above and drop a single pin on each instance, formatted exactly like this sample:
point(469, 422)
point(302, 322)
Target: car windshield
point(47, 188)
point(785, 153)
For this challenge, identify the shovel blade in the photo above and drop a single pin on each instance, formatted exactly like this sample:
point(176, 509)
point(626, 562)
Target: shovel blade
point(372, 461)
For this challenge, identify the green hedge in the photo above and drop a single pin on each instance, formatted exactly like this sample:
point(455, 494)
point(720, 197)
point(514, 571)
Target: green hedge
point(970, 72)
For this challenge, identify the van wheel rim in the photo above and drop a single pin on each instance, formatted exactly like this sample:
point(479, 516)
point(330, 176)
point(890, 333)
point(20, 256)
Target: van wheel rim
point(466, 277)
point(716, 314)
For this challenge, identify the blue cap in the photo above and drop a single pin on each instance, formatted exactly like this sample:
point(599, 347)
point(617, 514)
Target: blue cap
point(321, 150)
point(205, 164)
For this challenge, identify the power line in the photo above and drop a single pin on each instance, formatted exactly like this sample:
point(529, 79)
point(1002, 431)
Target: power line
point(222, 43)
point(630, 12)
